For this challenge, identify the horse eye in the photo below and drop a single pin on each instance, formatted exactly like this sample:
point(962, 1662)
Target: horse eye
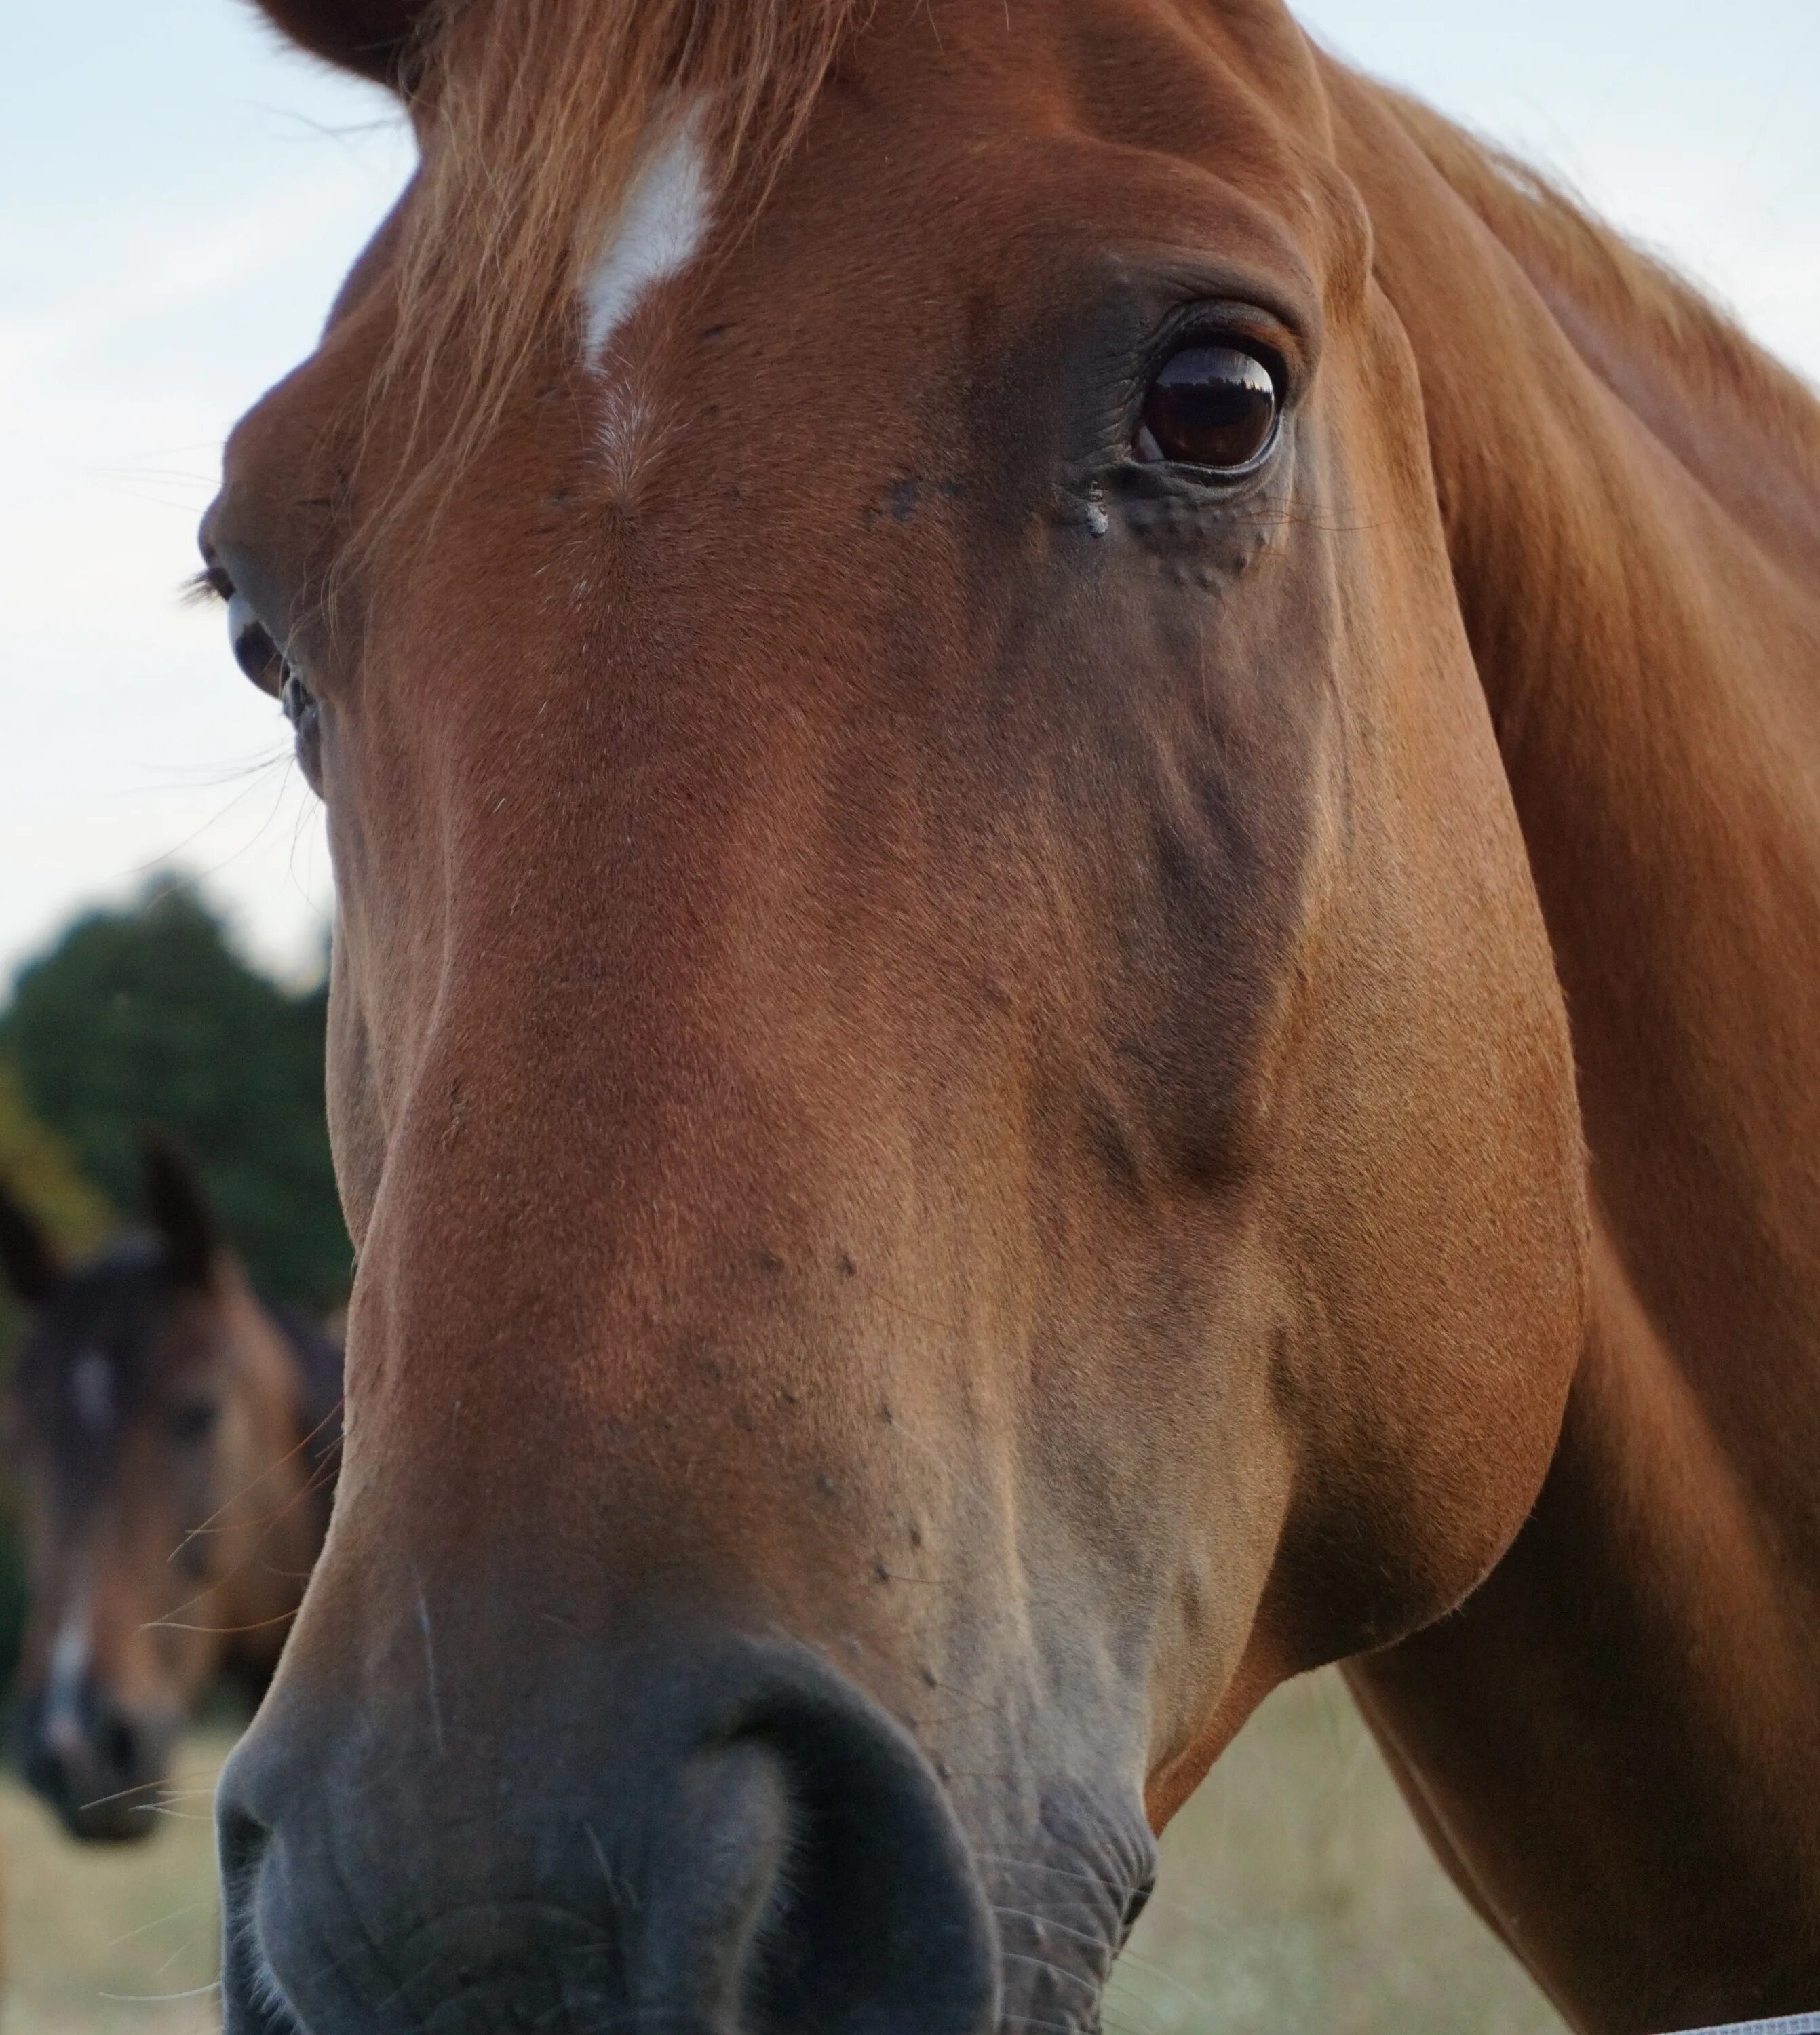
point(1210, 406)
point(254, 651)
point(193, 1420)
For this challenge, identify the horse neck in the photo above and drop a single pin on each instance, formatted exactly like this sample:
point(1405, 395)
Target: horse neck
point(1632, 501)
point(1633, 506)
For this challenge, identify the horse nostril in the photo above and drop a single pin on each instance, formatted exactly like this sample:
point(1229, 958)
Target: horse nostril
point(876, 1924)
point(248, 1990)
point(117, 1749)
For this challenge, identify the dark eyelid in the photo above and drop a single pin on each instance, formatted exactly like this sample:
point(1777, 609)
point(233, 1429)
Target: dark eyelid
point(1269, 296)
point(210, 584)
point(1248, 328)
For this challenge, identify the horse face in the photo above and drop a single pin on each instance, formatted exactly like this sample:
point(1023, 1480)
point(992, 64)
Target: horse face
point(942, 1058)
point(153, 1414)
point(121, 1414)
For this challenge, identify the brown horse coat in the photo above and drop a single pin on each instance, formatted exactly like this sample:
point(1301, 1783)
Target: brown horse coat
point(997, 1082)
point(1619, 1738)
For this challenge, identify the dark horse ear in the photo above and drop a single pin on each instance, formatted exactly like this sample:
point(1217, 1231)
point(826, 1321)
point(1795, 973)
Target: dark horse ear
point(180, 1211)
point(376, 38)
point(26, 1255)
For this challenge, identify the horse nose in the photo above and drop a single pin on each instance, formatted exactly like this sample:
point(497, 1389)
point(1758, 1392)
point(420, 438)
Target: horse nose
point(94, 1761)
point(749, 1848)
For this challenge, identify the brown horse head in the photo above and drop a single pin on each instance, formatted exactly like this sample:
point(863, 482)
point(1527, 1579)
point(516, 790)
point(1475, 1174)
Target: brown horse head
point(158, 1414)
point(943, 1056)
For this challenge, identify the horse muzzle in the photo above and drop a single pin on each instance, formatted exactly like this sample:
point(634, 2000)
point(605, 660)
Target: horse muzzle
point(734, 1841)
point(100, 1766)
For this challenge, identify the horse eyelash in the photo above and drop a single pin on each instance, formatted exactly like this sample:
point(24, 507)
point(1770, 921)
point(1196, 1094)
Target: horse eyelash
point(200, 588)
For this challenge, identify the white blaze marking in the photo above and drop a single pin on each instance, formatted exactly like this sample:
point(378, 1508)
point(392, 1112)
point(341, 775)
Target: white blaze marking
point(658, 232)
point(92, 1389)
point(69, 1653)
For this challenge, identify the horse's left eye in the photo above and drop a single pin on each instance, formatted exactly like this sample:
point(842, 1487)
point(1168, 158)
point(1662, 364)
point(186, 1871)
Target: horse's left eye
point(254, 651)
point(1210, 406)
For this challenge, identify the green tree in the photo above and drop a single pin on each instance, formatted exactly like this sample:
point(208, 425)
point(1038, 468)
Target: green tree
point(40, 1173)
point(148, 1017)
point(40, 1170)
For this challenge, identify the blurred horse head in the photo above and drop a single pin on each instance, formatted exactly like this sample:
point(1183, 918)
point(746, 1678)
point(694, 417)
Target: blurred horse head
point(925, 628)
point(175, 1439)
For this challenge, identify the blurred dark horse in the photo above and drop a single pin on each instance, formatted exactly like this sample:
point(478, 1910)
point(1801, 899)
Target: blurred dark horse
point(177, 1441)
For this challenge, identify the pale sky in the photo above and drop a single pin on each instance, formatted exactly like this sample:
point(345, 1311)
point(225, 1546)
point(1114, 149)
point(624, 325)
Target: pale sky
point(181, 198)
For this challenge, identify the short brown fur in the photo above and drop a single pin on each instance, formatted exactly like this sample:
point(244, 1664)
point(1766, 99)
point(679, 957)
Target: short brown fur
point(994, 1097)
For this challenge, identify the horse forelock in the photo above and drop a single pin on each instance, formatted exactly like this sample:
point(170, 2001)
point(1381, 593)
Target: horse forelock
point(534, 120)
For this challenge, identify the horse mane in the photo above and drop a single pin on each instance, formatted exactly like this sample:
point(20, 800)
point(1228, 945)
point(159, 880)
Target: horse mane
point(531, 117)
point(1701, 353)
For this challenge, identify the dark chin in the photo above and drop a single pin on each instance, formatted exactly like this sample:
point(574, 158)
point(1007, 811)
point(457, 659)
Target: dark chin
point(99, 1803)
point(108, 1823)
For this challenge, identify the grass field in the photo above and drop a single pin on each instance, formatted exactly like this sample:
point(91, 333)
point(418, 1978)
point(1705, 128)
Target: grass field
point(114, 1941)
point(1297, 1898)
